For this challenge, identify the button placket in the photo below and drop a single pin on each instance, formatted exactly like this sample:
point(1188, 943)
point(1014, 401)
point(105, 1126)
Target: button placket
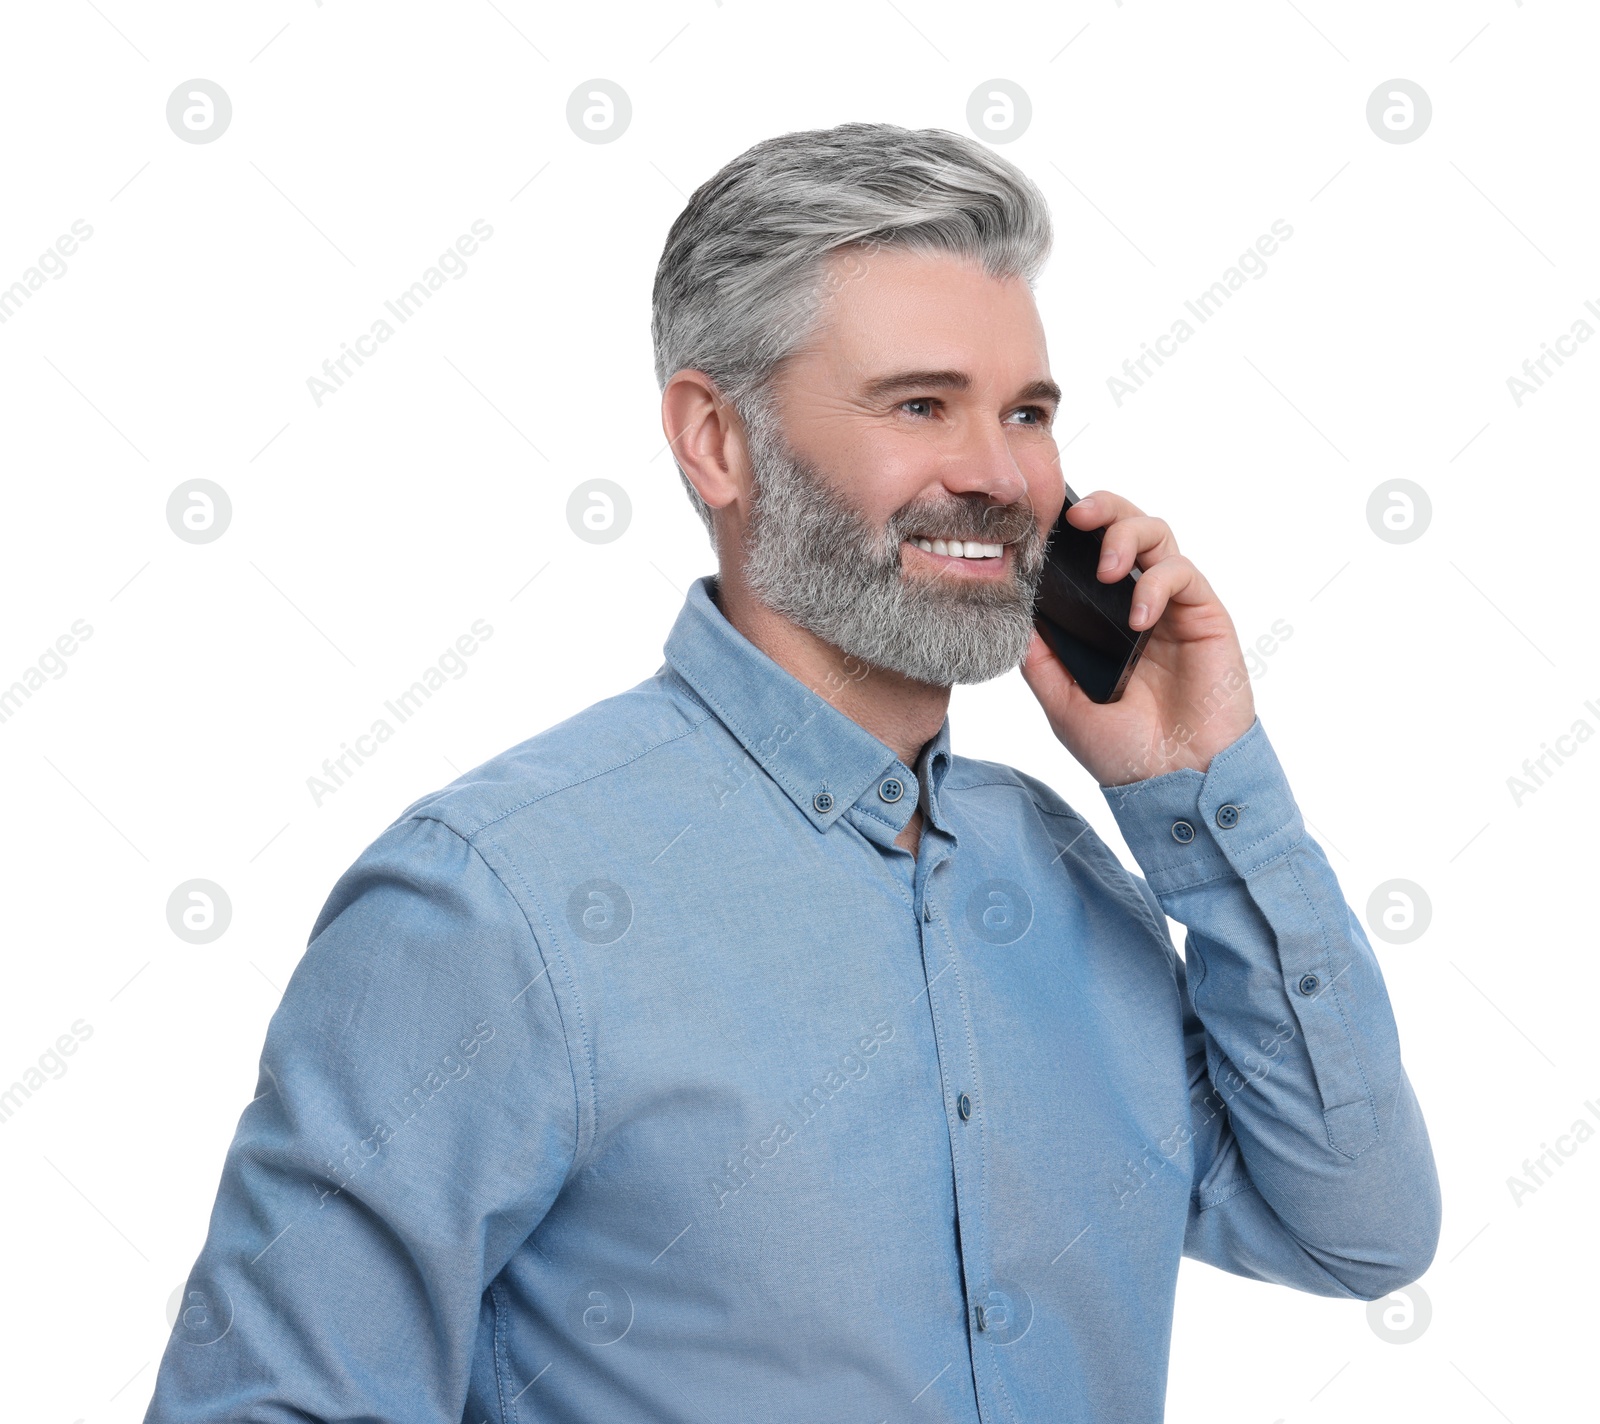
point(952, 1032)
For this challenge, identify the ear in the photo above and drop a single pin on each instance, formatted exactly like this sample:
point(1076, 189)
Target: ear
point(706, 436)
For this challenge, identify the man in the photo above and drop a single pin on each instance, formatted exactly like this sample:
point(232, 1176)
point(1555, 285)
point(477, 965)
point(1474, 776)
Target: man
point(734, 1050)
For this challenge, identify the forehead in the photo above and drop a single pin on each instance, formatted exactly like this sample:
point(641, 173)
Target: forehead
point(937, 309)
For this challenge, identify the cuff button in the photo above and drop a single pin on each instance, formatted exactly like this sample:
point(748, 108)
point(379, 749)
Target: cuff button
point(1228, 816)
point(1182, 832)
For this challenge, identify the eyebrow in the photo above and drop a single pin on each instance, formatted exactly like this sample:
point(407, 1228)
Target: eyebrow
point(899, 381)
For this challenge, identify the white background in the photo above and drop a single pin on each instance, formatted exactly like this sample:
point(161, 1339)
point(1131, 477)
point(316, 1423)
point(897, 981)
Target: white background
point(368, 533)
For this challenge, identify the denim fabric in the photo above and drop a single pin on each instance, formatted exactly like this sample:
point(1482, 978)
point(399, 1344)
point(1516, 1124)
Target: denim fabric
point(638, 1075)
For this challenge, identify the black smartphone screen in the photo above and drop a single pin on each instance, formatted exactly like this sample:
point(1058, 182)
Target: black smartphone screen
point(1084, 621)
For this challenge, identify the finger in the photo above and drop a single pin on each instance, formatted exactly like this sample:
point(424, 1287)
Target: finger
point(1139, 538)
point(1096, 510)
point(1173, 580)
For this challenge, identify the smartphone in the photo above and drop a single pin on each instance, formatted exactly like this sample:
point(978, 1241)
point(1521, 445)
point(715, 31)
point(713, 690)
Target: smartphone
point(1084, 621)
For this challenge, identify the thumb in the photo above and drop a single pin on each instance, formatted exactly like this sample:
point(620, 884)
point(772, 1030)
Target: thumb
point(1056, 688)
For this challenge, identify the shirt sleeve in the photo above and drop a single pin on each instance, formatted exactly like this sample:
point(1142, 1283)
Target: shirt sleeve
point(1312, 1164)
point(414, 1118)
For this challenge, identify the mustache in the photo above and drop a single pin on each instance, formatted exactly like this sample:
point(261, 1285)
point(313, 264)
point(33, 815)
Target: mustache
point(965, 517)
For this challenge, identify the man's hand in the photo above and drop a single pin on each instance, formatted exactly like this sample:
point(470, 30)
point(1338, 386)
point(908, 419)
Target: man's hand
point(1189, 696)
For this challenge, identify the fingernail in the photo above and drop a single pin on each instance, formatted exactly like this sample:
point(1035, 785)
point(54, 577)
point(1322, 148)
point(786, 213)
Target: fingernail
point(1086, 503)
point(1107, 558)
point(1139, 612)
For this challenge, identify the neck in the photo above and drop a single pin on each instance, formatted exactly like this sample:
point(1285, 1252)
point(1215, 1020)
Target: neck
point(903, 714)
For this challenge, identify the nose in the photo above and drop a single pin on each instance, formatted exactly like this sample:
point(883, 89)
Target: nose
point(982, 463)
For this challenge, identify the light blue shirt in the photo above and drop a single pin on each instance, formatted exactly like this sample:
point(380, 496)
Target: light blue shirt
point(639, 1075)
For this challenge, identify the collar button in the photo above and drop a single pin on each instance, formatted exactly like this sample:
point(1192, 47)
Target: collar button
point(822, 802)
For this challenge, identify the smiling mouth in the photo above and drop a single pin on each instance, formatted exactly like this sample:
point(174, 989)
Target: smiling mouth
point(976, 550)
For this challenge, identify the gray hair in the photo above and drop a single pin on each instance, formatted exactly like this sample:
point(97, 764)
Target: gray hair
point(743, 277)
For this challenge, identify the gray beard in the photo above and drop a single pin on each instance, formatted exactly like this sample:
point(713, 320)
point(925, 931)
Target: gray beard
point(813, 558)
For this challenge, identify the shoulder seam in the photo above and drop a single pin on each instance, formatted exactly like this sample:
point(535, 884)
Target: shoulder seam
point(1023, 787)
point(427, 812)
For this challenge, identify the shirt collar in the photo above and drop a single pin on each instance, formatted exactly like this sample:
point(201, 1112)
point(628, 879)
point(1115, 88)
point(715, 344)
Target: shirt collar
point(824, 760)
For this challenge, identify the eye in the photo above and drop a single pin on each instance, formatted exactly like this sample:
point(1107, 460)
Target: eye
point(928, 401)
point(1041, 414)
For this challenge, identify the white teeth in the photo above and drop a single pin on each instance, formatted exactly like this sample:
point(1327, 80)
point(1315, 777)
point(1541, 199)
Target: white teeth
point(960, 548)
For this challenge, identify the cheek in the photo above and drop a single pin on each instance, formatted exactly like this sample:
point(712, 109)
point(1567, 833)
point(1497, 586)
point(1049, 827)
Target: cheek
point(1047, 490)
point(885, 475)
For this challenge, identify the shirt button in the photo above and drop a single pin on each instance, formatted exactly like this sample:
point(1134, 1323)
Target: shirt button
point(964, 1107)
point(823, 801)
point(1308, 983)
point(1182, 832)
point(927, 911)
point(891, 788)
point(1228, 816)
point(982, 1316)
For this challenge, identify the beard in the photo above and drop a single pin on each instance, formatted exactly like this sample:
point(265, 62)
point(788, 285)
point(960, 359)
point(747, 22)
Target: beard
point(812, 557)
